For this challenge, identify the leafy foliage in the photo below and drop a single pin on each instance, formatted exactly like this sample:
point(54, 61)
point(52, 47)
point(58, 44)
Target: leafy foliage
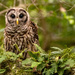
point(54, 18)
point(57, 61)
point(53, 62)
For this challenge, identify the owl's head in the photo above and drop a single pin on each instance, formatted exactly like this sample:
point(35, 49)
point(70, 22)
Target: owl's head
point(17, 16)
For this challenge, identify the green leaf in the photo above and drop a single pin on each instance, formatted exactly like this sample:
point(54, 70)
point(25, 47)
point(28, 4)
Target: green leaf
point(2, 70)
point(41, 66)
point(40, 58)
point(56, 52)
point(35, 64)
point(69, 63)
point(48, 72)
point(2, 50)
point(60, 72)
point(56, 48)
point(34, 54)
point(21, 53)
point(43, 73)
point(11, 55)
point(16, 47)
point(2, 59)
point(27, 61)
point(54, 68)
point(39, 48)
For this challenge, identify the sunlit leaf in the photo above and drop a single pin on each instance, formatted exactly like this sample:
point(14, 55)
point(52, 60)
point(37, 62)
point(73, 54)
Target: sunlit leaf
point(27, 61)
point(35, 64)
point(2, 70)
point(39, 48)
point(56, 48)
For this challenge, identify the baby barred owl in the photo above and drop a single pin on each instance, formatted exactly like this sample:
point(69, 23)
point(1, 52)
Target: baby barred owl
point(20, 31)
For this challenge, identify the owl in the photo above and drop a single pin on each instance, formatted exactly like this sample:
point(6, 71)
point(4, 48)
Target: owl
point(20, 31)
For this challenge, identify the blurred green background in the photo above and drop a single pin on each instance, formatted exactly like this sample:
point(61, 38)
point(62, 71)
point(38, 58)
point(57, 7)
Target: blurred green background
point(55, 20)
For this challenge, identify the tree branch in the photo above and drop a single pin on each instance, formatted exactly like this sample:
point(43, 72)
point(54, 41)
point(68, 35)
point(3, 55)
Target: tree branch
point(3, 5)
point(4, 11)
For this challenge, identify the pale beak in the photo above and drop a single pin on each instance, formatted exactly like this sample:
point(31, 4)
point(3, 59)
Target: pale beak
point(17, 21)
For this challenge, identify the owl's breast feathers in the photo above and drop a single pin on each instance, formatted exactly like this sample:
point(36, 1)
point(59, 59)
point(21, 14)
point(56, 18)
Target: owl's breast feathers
point(24, 37)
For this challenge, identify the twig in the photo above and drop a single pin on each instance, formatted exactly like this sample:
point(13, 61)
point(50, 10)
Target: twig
point(3, 5)
point(28, 7)
point(14, 3)
point(25, 4)
point(71, 7)
point(34, 4)
point(24, 1)
point(20, 2)
point(4, 11)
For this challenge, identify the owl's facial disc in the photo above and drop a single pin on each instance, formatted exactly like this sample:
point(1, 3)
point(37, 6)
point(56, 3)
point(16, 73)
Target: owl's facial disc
point(17, 16)
point(12, 16)
point(20, 16)
point(23, 17)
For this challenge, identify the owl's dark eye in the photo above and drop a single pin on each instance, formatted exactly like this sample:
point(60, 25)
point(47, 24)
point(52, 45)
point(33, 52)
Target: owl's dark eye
point(21, 15)
point(12, 16)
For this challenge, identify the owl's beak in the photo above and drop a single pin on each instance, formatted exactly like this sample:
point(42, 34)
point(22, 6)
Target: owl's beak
point(17, 21)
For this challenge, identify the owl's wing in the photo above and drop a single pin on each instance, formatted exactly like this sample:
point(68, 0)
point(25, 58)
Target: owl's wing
point(34, 28)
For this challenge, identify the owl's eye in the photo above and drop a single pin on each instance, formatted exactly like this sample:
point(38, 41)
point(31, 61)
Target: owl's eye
point(21, 15)
point(12, 16)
